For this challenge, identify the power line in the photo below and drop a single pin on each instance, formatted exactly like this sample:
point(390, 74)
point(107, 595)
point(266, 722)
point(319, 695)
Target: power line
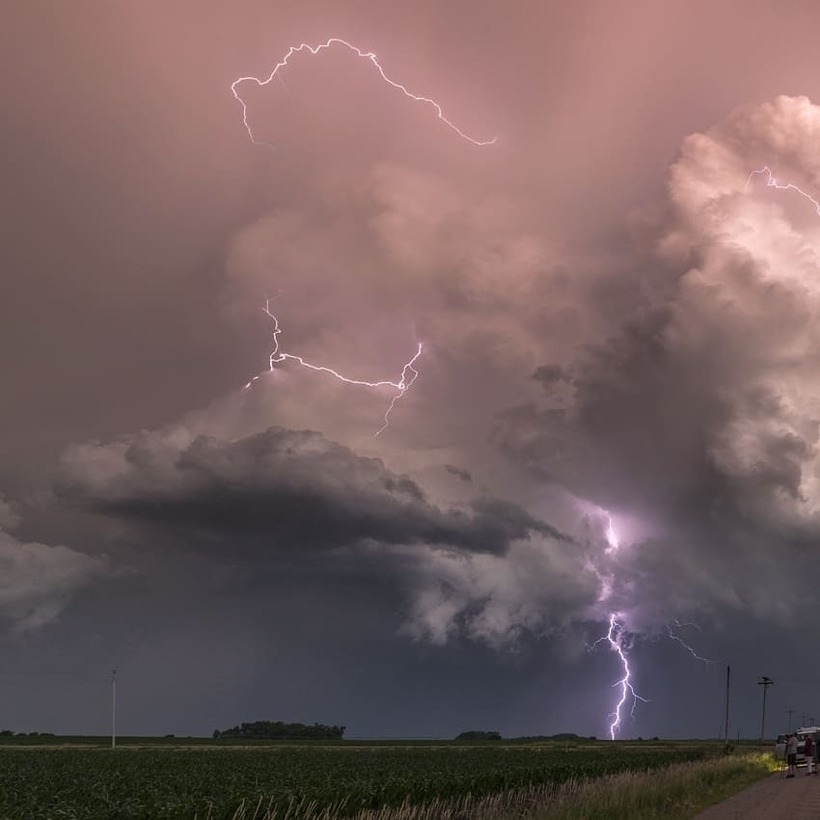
point(765, 682)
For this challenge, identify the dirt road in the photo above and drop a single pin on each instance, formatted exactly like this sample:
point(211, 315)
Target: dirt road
point(775, 798)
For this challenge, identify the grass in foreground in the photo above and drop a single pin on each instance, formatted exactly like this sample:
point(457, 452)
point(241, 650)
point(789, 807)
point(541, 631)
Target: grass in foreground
point(677, 792)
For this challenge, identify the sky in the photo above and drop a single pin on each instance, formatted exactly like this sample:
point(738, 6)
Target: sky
point(609, 264)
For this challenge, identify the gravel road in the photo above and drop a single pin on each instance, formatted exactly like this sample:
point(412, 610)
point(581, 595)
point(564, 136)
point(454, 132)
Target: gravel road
point(775, 798)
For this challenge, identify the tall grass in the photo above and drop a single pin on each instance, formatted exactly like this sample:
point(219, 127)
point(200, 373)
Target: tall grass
point(673, 793)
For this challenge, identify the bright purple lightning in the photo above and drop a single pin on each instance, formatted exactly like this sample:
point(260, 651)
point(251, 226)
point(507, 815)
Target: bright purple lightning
point(618, 639)
point(617, 636)
point(365, 55)
point(611, 536)
point(771, 182)
point(409, 374)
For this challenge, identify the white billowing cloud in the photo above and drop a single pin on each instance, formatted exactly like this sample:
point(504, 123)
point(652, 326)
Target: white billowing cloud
point(538, 585)
point(702, 414)
point(37, 581)
point(749, 306)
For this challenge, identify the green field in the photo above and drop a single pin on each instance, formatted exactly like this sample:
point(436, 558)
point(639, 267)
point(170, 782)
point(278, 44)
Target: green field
point(172, 780)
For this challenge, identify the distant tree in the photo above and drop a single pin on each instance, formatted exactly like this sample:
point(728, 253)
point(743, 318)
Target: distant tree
point(277, 730)
point(477, 735)
point(6, 733)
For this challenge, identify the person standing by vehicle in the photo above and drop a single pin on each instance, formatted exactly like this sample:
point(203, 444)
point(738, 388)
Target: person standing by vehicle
point(808, 751)
point(791, 755)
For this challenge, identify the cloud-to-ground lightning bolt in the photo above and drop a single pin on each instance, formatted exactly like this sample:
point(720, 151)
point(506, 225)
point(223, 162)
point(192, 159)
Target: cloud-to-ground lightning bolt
point(772, 182)
point(617, 636)
point(364, 55)
point(618, 639)
point(409, 374)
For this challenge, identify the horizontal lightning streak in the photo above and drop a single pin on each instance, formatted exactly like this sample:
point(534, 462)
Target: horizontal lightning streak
point(409, 374)
point(365, 55)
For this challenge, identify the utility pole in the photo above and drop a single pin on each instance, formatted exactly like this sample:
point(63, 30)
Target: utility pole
point(765, 682)
point(726, 722)
point(790, 712)
point(113, 708)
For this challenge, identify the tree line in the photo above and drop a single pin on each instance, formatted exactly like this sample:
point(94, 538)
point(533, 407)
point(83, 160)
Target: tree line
point(277, 730)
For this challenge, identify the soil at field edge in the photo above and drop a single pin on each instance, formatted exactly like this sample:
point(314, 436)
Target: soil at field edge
point(775, 798)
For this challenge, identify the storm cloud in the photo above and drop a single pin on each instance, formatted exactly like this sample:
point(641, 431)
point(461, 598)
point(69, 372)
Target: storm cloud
point(616, 405)
point(282, 490)
point(38, 581)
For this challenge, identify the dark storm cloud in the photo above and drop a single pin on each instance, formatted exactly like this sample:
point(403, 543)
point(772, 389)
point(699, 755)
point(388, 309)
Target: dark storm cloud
point(549, 374)
point(37, 581)
point(281, 490)
point(464, 475)
point(141, 231)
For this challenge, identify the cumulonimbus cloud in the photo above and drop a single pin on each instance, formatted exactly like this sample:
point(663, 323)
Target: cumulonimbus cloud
point(697, 415)
point(702, 413)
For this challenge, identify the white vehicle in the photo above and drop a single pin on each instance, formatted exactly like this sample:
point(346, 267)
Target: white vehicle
point(802, 733)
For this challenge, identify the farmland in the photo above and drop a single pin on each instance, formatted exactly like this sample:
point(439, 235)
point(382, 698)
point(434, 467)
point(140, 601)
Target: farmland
point(176, 780)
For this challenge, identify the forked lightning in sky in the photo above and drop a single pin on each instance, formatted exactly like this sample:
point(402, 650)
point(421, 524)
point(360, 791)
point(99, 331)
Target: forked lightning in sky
point(617, 637)
point(364, 55)
point(409, 374)
point(677, 638)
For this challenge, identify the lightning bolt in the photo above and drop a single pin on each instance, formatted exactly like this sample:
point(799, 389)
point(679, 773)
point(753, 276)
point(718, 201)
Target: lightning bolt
point(617, 636)
point(618, 639)
point(409, 374)
point(683, 643)
point(771, 182)
point(611, 535)
point(364, 55)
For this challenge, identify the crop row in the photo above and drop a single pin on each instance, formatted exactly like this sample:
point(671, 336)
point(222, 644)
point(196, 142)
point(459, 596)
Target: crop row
point(179, 783)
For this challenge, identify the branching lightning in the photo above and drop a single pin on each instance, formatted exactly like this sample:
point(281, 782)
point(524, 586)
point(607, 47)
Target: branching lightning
point(675, 637)
point(409, 374)
point(771, 182)
point(364, 55)
point(618, 639)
